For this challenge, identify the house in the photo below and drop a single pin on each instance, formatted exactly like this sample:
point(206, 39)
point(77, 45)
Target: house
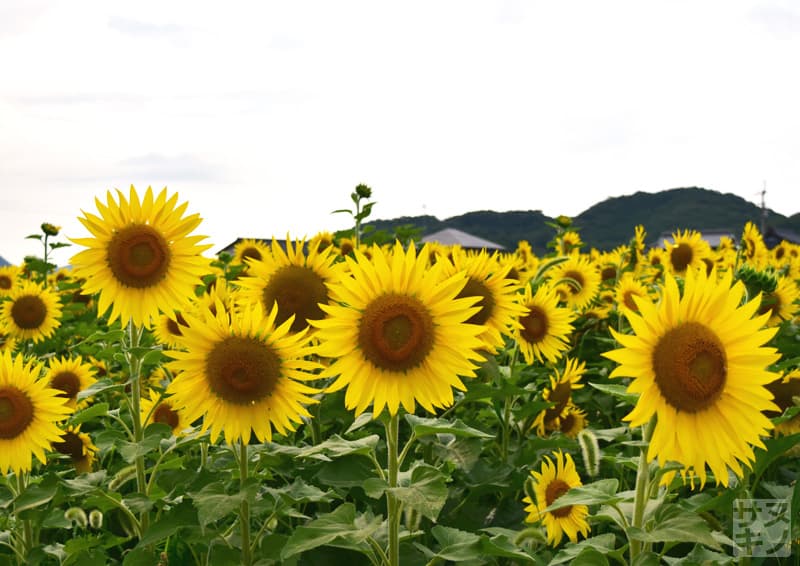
point(3, 262)
point(712, 236)
point(774, 236)
point(266, 241)
point(452, 236)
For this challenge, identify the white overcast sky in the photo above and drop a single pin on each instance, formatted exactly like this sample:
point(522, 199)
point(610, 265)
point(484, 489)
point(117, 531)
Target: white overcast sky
point(265, 115)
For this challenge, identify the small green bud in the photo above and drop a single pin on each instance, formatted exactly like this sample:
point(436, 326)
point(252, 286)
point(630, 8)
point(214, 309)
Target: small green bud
point(564, 221)
point(95, 519)
point(363, 191)
point(77, 516)
point(590, 450)
point(50, 229)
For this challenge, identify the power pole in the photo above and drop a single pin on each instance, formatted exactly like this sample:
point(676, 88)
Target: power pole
point(763, 209)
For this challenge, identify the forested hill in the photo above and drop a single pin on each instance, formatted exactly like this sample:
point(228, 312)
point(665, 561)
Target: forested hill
point(611, 222)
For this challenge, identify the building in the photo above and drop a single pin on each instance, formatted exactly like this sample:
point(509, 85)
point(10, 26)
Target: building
point(452, 237)
point(713, 237)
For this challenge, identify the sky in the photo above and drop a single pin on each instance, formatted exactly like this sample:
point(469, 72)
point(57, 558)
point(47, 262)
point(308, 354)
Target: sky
point(264, 116)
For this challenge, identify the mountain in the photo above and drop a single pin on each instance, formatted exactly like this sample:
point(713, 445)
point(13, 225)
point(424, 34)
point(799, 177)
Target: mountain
point(611, 222)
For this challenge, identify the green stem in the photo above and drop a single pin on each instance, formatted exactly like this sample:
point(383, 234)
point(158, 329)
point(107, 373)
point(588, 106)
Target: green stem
point(509, 402)
point(392, 505)
point(135, 363)
point(27, 527)
point(642, 480)
point(244, 510)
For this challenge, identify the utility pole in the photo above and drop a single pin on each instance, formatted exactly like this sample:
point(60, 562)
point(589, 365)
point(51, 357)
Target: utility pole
point(763, 209)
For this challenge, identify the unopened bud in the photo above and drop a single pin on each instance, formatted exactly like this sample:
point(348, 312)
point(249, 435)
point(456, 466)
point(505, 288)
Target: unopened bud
point(76, 515)
point(95, 519)
point(50, 229)
point(363, 191)
point(590, 450)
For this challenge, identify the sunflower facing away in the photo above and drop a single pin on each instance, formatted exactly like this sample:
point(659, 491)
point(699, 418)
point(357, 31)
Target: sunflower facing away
point(141, 258)
point(31, 312)
point(554, 480)
point(79, 447)
point(399, 335)
point(562, 383)
point(69, 376)
point(248, 249)
point(698, 363)
point(545, 326)
point(241, 373)
point(292, 280)
point(29, 411)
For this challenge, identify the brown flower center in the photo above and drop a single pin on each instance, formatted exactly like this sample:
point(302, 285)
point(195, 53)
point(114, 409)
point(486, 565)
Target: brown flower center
point(627, 298)
point(567, 423)
point(71, 445)
point(690, 367)
point(560, 395)
point(609, 272)
point(29, 312)
point(5, 282)
point(174, 325)
point(251, 253)
point(163, 413)
point(575, 281)
point(555, 489)
point(138, 256)
point(534, 325)
point(16, 412)
point(681, 256)
point(396, 332)
point(67, 383)
point(475, 288)
point(297, 291)
point(242, 370)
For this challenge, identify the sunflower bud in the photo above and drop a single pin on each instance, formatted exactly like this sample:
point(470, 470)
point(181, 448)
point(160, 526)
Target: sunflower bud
point(50, 229)
point(564, 221)
point(756, 281)
point(95, 519)
point(529, 489)
point(363, 191)
point(590, 450)
point(77, 516)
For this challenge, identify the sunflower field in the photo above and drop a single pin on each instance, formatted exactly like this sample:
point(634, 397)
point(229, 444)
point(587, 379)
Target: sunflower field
point(340, 400)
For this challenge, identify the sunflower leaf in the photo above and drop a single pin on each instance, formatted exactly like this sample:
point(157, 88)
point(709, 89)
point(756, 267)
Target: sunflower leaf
point(677, 526)
point(422, 426)
point(618, 391)
point(37, 495)
point(603, 543)
point(601, 492)
point(341, 528)
point(426, 492)
point(94, 411)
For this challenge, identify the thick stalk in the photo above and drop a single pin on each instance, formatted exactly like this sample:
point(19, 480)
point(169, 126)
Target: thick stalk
point(135, 363)
point(27, 527)
point(642, 481)
point(392, 505)
point(244, 510)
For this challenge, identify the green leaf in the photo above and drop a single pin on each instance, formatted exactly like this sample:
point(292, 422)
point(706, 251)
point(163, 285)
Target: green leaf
point(776, 447)
point(349, 471)
point(678, 526)
point(37, 495)
point(336, 447)
point(97, 387)
point(422, 426)
point(300, 492)
point(213, 502)
point(33, 237)
point(182, 515)
point(427, 491)
point(601, 492)
point(89, 413)
point(700, 556)
point(618, 391)
point(455, 544)
point(604, 543)
point(140, 557)
point(340, 528)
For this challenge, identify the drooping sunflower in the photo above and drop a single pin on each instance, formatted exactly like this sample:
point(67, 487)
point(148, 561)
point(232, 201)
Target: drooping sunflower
point(581, 277)
point(169, 328)
point(399, 334)
point(141, 258)
point(573, 421)
point(69, 376)
point(569, 243)
point(562, 383)
point(242, 374)
point(486, 279)
point(753, 247)
point(79, 447)
point(295, 282)
point(31, 312)
point(686, 251)
point(698, 363)
point(7, 341)
point(554, 480)
point(29, 413)
point(545, 326)
point(158, 408)
point(781, 302)
point(8, 279)
point(249, 249)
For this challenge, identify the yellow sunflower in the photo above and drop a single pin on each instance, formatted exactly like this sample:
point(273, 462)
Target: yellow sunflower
point(7, 341)
point(545, 327)
point(321, 241)
point(249, 249)
point(31, 312)
point(686, 250)
point(781, 303)
point(753, 248)
point(554, 480)
point(628, 287)
point(581, 278)
point(569, 243)
point(169, 328)
point(497, 294)
point(698, 363)
point(399, 333)
point(296, 283)
point(560, 394)
point(29, 411)
point(141, 258)
point(241, 373)
point(69, 376)
point(79, 447)
point(573, 421)
point(8, 279)
point(158, 408)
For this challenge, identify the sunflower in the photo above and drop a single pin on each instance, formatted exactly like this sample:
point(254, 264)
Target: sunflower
point(241, 373)
point(69, 376)
point(686, 250)
point(169, 328)
point(545, 326)
point(497, 294)
point(569, 243)
point(29, 411)
point(753, 247)
point(560, 394)
point(780, 303)
point(628, 287)
point(141, 259)
point(31, 312)
point(399, 334)
point(554, 480)
point(249, 249)
point(581, 278)
point(7, 341)
point(296, 283)
point(158, 408)
point(698, 363)
point(8, 279)
point(573, 421)
point(79, 447)
point(321, 241)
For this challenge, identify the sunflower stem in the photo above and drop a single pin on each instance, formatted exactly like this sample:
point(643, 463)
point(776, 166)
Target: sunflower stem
point(642, 481)
point(135, 363)
point(392, 507)
point(27, 526)
point(244, 510)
